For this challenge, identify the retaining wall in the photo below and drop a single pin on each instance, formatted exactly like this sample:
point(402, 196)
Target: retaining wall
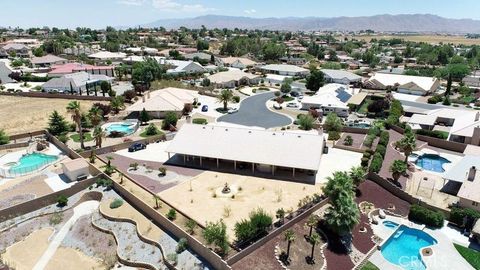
point(355, 130)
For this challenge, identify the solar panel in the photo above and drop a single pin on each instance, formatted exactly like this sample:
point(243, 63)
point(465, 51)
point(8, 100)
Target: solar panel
point(343, 96)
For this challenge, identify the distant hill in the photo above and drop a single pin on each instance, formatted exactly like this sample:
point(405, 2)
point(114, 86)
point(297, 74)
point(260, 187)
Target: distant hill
point(385, 23)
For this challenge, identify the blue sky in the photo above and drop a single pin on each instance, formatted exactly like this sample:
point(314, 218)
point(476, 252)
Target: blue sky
point(100, 13)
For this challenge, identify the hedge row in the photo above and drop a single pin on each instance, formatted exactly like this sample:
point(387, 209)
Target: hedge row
point(433, 133)
point(426, 216)
point(458, 214)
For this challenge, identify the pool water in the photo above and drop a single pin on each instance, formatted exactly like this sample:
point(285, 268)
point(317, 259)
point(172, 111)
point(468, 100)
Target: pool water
point(123, 128)
point(31, 162)
point(390, 224)
point(431, 162)
point(403, 248)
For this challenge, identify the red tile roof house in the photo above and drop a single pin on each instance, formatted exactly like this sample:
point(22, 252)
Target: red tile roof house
point(69, 68)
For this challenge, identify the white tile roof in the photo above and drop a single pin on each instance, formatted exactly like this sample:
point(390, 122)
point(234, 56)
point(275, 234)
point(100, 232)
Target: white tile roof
point(284, 68)
point(425, 83)
point(103, 55)
point(341, 74)
point(250, 145)
point(230, 75)
point(168, 99)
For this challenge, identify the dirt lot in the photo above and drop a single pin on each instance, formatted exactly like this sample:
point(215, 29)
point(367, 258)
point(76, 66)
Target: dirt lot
point(427, 38)
point(201, 204)
point(23, 114)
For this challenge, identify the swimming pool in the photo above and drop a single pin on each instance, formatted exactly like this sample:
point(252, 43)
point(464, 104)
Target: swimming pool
point(390, 224)
point(30, 163)
point(431, 162)
point(126, 128)
point(403, 248)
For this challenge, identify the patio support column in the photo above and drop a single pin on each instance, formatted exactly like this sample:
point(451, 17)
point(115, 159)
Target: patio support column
point(273, 169)
point(293, 173)
point(200, 161)
point(168, 155)
point(217, 163)
point(184, 159)
point(253, 167)
point(234, 165)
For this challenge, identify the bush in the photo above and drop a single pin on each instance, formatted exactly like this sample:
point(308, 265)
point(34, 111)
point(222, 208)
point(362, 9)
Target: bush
point(182, 245)
point(200, 121)
point(62, 200)
point(253, 228)
point(381, 150)
point(63, 138)
point(458, 214)
point(447, 102)
point(348, 141)
point(435, 99)
point(169, 120)
point(333, 135)
point(116, 203)
point(236, 99)
point(384, 138)
point(426, 216)
point(367, 155)
point(151, 130)
point(376, 164)
point(433, 133)
point(365, 162)
point(369, 140)
point(172, 214)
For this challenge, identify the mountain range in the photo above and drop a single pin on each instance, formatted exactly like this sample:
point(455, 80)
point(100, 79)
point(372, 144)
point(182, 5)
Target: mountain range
point(380, 23)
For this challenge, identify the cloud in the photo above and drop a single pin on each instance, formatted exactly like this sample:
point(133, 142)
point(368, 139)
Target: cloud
point(175, 6)
point(131, 2)
point(250, 11)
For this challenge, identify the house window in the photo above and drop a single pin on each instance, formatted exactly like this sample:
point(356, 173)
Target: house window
point(475, 203)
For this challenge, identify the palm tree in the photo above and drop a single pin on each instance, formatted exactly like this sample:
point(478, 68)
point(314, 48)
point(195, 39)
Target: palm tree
point(117, 104)
point(312, 222)
point(342, 215)
point(225, 97)
point(407, 144)
point(74, 109)
point(289, 237)
point(98, 135)
point(314, 240)
point(358, 175)
point(96, 115)
point(398, 168)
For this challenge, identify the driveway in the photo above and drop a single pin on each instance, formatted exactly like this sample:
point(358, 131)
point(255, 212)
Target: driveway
point(253, 111)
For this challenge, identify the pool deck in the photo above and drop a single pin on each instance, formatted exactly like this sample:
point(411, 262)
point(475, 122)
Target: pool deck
point(445, 256)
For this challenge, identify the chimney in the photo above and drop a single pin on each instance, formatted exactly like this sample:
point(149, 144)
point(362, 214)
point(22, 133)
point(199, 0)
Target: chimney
point(143, 98)
point(476, 136)
point(471, 174)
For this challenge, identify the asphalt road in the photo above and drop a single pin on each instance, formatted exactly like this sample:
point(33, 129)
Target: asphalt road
point(253, 111)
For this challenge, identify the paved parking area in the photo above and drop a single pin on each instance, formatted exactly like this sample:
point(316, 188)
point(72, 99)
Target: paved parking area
point(254, 112)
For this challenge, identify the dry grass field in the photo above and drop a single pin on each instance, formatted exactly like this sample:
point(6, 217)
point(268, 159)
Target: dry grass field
point(426, 38)
point(24, 114)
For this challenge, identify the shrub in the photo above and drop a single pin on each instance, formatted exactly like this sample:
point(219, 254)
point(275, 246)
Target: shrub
point(367, 155)
point(62, 200)
point(116, 203)
point(200, 121)
point(369, 140)
point(458, 214)
point(190, 224)
point(253, 228)
point(433, 133)
point(169, 120)
point(172, 214)
point(376, 164)
point(435, 99)
point(365, 162)
point(151, 130)
point(348, 140)
point(447, 101)
point(381, 150)
point(163, 171)
point(244, 230)
point(182, 245)
point(63, 138)
point(384, 138)
point(426, 216)
point(56, 218)
point(333, 135)
point(236, 99)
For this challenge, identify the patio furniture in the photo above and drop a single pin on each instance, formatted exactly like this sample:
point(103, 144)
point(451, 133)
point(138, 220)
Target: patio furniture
point(381, 214)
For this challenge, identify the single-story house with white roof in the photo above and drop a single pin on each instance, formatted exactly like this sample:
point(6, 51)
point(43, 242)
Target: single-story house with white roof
point(142, 50)
point(414, 85)
point(287, 70)
point(48, 61)
point(106, 55)
point(466, 171)
point(331, 98)
point(159, 102)
point(180, 66)
point(76, 82)
point(235, 62)
point(233, 78)
point(340, 76)
point(253, 148)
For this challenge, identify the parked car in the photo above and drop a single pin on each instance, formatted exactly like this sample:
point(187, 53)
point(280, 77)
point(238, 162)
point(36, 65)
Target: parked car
point(300, 97)
point(277, 106)
point(292, 105)
point(294, 94)
point(136, 146)
point(205, 108)
point(233, 110)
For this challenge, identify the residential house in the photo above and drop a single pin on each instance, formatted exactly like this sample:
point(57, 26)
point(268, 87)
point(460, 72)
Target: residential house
point(341, 76)
point(204, 57)
point(69, 68)
point(182, 67)
point(472, 80)
point(286, 70)
point(47, 61)
point(297, 61)
point(466, 172)
point(331, 98)
point(414, 85)
point(233, 78)
point(76, 82)
point(235, 62)
point(17, 49)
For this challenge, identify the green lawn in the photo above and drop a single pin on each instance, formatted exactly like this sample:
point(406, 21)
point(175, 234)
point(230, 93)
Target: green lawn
point(364, 106)
point(86, 137)
point(144, 134)
point(470, 255)
point(370, 266)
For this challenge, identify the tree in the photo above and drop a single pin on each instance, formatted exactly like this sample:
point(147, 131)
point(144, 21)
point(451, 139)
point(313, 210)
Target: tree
point(339, 185)
point(202, 45)
point(286, 86)
point(280, 214)
point(358, 175)
point(449, 86)
point(169, 121)
point(306, 122)
point(225, 97)
point(4, 139)
point(57, 124)
point(312, 222)
point(98, 135)
point(289, 237)
point(62, 200)
point(343, 214)
point(314, 240)
point(190, 224)
point(74, 109)
point(333, 123)
point(95, 115)
point(216, 233)
point(407, 144)
point(315, 80)
point(206, 82)
point(144, 117)
point(151, 130)
point(117, 104)
point(397, 168)
point(105, 87)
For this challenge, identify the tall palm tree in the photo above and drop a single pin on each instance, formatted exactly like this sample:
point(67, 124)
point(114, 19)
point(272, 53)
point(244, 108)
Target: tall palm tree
point(74, 109)
point(358, 175)
point(407, 144)
point(225, 97)
point(289, 237)
point(98, 135)
point(342, 215)
point(312, 222)
point(96, 115)
point(314, 240)
point(398, 168)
